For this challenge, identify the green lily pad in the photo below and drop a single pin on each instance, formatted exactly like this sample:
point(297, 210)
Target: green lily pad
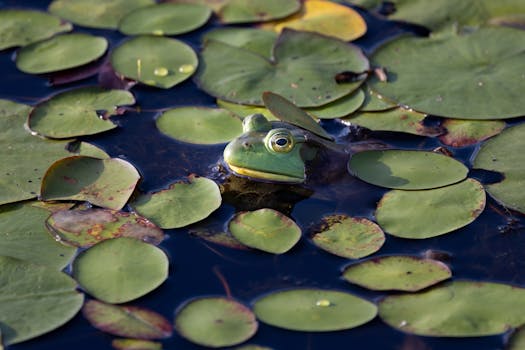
point(200, 125)
point(314, 310)
point(258, 41)
point(406, 169)
point(87, 149)
point(305, 63)
point(246, 110)
point(135, 344)
point(121, 269)
point(24, 157)
point(60, 52)
point(84, 228)
point(34, 300)
point(155, 61)
point(478, 78)
point(23, 236)
point(126, 321)
point(215, 322)
point(461, 133)
point(517, 339)
point(457, 309)
point(23, 27)
point(374, 102)
point(96, 13)
point(339, 108)
point(503, 153)
point(406, 273)
point(76, 112)
point(351, 238)
point(429, 213)
point(265, 229)
point(183, 203)
point(107, 183)
point(165, 19)
point(241, 11)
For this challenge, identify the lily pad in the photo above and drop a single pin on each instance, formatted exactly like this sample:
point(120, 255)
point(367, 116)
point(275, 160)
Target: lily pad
point(104, 182)
point(84, 228)
point(428, 213)
point(126, 321)
point(87, 149)
point(406, 273)
point(135, 344)
point(305, 63)
point(96, 13)
point(479, 77)
point(324, 17)
point(265, 229)
point(76, 112)
point(121, 269)
point(503, 153)
point(517, 339)
point(241, 11)
point(155, 61)
point(348, 237)
point(314, 310)
point(60, 52)
point(215, 322)
point(374, 102)
point(258, 41)
point(23, 236)
point(23, 27)
point(34, 300)
point(457, 309)
point(165, 19)
point(183, 203)
point(339, 108)
point(461, 133)
point(200, 125)
point(406, 169)
point(246, 110)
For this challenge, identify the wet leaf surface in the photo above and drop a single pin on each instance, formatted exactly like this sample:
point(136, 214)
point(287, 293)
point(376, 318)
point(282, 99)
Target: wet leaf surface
point(121, 269)
point(462, 133)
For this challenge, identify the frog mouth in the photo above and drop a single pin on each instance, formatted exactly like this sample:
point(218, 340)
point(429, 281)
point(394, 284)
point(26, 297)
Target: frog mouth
point(268, 176)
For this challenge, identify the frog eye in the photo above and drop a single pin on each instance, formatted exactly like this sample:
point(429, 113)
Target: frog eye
point(280, 141)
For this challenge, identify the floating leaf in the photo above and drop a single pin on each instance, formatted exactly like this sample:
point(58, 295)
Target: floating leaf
point(429, 213)
point(24, 158)
point(84, 228)
point(314, 310)
point(503, 153)
point(406, 273)
point(255, 40)
point(241, 11)
point(23, 236)
point(126, 321)
point(155, 61)
point(246, 110)
point(348, 237)
point(183, 203)
point(86, 149)
point(23, 27)
point(60, 52)
point(165, 19)
point(104, 182)
point(306, 64)
point(34, 300)
point(121, 269)
point(461, 133)
point(265, 229)
point(517, 339)
point(457, 309)
point(96, 13)
point(374, 102)
point(511, 20)
point(135, 344)
point(339, 108)
point(215, 322)
point(406, 169)
point(76, 112)
point(479, 77)
point(200, 125)
point(324, 17)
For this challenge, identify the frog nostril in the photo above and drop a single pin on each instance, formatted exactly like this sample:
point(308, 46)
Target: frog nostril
point(246, 145)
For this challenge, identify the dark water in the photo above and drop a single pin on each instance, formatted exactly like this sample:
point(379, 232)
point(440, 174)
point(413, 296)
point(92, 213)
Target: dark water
point(489, 249)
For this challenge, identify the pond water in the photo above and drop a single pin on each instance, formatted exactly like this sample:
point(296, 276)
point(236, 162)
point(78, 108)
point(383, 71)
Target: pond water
point(489, 249)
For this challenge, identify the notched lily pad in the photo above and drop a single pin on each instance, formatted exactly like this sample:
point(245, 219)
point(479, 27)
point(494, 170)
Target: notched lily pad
point(200, 125)
point(127, 321)
point(84, 228)
point(265, 229)
point(348, 237)
point(314, 310)
point(60, 52)
point(121, 269)
point(215, 322)
point(104, 182)
point(241, 11)
point(461, 133)
point(406, 273)
point(256, 40)
point(183, 203)
point(406, 169)
point(155, 61)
